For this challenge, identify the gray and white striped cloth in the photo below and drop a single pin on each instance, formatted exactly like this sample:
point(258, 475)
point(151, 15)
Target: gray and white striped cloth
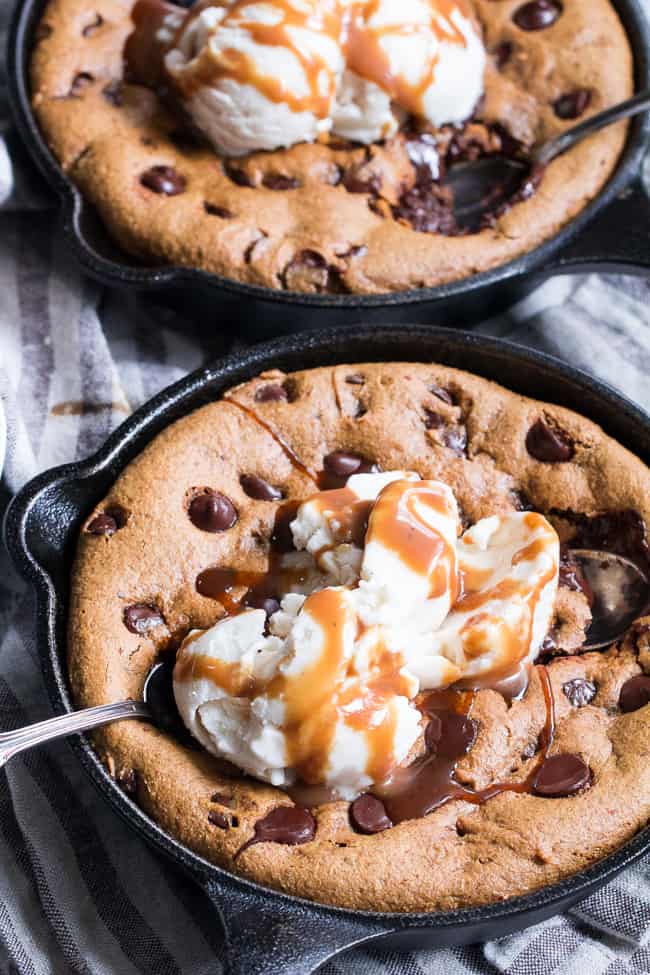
point(78, 891)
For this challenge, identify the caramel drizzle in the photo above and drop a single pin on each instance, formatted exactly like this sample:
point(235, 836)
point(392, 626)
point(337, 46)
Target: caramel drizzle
point(322, 17)
point(397, 523)
point(288, 451)
point(429, 782)
point(367, 56)
point(345, 24)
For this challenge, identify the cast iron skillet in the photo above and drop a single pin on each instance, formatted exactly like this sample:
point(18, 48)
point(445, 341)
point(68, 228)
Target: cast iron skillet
point(611, 233)
point(269, 933)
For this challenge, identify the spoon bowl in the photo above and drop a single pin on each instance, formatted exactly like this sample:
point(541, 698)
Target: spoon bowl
point(482, 187)
point(621, 593)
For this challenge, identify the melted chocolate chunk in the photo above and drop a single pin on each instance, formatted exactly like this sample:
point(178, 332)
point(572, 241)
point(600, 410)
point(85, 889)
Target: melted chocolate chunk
point(221, 798)
point(427, 207)
point(355, 180)
point(259, 489)
point(217, 818)
point(356, 379)
point(449, 734)
point(102, 524)
point(560, 776)
point(281, 537)
point(290, 825)
point(572, 576)
point(92, 28)
point(114, 93)
point(212, 512)
point(80, 82)
point(270, 393)
point(635, 693)
point(537, 15)
point(140, 618)
point(442, 394)
point(573, 104)
point(368, 815)
point(579, 691)
point(164, 179)
point(213, 210)
point(548, 444)
point(278, 181)
point(340, 465)
point(503, 53)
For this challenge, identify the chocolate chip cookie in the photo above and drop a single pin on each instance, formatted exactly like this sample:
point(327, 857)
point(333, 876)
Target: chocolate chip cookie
point(517, 792)
point(332, 216)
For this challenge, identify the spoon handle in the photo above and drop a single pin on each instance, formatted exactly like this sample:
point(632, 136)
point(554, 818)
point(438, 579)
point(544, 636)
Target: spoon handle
point(12, 742)
point(631, 106)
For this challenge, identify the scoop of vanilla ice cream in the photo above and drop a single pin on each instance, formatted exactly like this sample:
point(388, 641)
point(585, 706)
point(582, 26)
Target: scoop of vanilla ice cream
point(245, 72)
point(327, 694)
point(246, 691)
point(429, 57)
point(267, 74)
point(510, 565)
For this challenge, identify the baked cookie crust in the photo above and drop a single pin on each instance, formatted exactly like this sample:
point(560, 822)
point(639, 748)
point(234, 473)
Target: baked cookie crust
point(442, 423)
point(325, 217)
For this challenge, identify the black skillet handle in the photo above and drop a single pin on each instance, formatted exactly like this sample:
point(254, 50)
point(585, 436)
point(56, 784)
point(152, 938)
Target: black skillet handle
point(617, 239)
point(269, 935)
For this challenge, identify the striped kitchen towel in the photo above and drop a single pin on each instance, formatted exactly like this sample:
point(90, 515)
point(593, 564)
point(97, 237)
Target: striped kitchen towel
point(79, 892)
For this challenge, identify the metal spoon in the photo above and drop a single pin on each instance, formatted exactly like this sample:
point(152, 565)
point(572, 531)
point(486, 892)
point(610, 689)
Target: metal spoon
point(155, 707)
point(621, 593)
point(481, 186)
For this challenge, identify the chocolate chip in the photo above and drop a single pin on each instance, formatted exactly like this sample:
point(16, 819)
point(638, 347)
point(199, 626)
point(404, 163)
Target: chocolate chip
point(520, 501)
point(579, 691)
point(433, 420)
point(80, 82)
point(271, 393)
point(281, 536)
point(356, 181)
point(237, 175)
point(269, 604)
point(368, 815)
point(212, 511)
point(114, 93)
point(561, 775)
point(549, 445)
point(537, 15)
point(356, 379)
point(221, 798)
point(635, 693)
point(102, 524)
point(128, 781)
point(216, 211)
point(503, 53)
point(164, 179)
point(91, 29)
point(140, 618)
point(278, 181)
point(456, 439)
point(450, 735)
point(217, 818)
point(256, 487)
point(341, 463)
point(573, 104)
point(42, 32)
point(290, 825)
point(440, 393)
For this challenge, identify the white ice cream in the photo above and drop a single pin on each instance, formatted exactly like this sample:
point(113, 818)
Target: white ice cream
point(266, 74)
point(328, 695)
